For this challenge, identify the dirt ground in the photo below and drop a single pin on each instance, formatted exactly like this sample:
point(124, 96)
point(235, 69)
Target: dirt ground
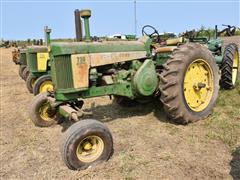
point(146, 145)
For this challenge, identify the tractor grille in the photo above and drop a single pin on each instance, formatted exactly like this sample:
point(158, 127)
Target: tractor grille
point(23, 59)
point(32, 62)
point(63, 70)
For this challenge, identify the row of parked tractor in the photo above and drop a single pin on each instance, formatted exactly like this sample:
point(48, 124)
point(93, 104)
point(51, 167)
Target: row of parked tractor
point(183, 72)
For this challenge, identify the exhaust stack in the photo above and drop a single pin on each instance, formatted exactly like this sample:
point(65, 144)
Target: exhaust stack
point(78, 25)
point(47, 32)
point(86, 14)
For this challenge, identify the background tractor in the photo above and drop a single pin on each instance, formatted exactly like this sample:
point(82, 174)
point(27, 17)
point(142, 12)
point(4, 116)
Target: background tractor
point(226, 57)
point(183, 75)
point(39, 79)
point(35, 66)
point(21, 61)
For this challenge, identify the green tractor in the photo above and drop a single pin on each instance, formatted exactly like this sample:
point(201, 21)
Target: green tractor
point(226, 57)
point(23, 64)
point(19, 58)
point(184, 76)
point(38, 77)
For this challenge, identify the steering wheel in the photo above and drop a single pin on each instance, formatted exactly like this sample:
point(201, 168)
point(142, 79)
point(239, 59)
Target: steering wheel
point(151, 35)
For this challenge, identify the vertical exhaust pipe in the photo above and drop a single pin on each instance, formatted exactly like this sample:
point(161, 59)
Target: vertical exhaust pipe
point(47, 32)
point(216, 32)
point(78, 26)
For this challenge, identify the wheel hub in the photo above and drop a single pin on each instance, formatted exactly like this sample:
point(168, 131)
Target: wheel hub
point(43, 111)
point(90, 149)
point(46, 86)
point(198, 85)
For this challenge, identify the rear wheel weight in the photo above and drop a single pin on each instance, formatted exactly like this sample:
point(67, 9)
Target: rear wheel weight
point(229, 67)
point(39, 112)
point(43, 84)
point(86, 143)
point(189, 94)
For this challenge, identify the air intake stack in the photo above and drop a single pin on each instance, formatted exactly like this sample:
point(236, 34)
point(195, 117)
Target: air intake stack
point(47, 32)
point(86, 14)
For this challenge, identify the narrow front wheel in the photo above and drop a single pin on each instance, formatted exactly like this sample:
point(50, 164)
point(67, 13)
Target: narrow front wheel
point(30, 81)
point(43, 84)
point(41, 113)
point(86, 143)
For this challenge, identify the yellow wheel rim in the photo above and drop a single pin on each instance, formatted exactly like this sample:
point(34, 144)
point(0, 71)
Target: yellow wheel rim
point(46, 86)
point(33, 82)
point(198, 85)
point(43, 111)
point(90, 149)
point(235, 68)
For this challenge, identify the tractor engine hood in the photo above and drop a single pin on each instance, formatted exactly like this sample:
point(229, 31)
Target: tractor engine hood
point(96, 47)
point(36, 49)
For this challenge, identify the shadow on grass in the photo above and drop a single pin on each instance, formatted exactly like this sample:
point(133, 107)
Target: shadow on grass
point(235, 164)
point(113, 111)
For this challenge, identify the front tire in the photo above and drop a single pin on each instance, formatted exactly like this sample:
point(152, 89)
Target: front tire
point(40, 113)
point(30, 81)
point(26, 73)
point(43, 84)
point(229, 67)
point(86, 143)
point(20, 71)
point(189, 83)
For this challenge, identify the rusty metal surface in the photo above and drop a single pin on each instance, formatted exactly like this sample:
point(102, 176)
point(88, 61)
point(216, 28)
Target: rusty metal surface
point(80, 70)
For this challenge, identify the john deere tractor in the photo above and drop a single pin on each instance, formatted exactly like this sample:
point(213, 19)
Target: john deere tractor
point(19, 58)
point(226, 57)
point(184, 76)
point(38, 78)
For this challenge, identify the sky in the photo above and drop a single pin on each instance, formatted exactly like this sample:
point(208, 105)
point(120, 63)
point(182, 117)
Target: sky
point(23, 19)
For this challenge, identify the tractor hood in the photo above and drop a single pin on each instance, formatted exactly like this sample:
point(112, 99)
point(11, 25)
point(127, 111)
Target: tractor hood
point(37, 49)
point(23, 50)
point(96, 47)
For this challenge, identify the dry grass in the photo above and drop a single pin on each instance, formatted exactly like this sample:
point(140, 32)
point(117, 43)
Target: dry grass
point(146, 145)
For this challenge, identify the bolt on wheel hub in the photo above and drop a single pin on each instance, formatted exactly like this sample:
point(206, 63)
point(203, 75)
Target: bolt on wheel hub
point(46, 86)
point(43, 112)
point(90, 149)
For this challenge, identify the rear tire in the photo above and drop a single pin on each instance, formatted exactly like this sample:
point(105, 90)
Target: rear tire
point(229, 69)
point(40, 82)
point(178, 94)
point(86, 143)
point(30, 81)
